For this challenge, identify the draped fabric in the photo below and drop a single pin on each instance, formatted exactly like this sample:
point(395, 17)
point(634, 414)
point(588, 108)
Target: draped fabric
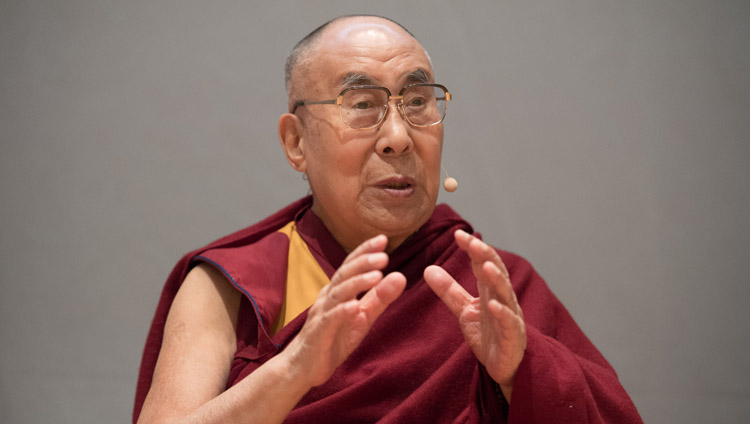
point(414, 365)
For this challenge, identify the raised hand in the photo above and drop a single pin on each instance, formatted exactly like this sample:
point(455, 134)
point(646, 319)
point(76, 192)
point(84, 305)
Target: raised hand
point(338, 321)
point(492, 323)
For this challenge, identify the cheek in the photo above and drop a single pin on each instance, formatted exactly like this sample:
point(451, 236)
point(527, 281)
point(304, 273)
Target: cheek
point(334, 157)
point(432, 162)
point(433, 185)
point(432, 157)
point(347, 161)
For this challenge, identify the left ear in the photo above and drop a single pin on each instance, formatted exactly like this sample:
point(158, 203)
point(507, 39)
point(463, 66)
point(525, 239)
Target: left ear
point(290, 136)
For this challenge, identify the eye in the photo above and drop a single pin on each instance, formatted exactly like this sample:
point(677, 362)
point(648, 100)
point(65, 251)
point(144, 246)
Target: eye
point(362, 105)
point(362, 99)
point(416, 101)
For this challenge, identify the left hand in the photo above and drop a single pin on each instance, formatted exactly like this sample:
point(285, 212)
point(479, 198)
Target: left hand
point(492, 323)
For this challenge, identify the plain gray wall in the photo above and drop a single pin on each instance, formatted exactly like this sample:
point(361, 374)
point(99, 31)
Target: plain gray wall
point(606, 141)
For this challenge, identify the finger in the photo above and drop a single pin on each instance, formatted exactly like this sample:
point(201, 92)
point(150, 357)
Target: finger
point(478, 251)
point(350, 288)
point(365, 262)
point(447, 289)
point(335, 315)
point(359, 261)
point(334, 326)
point(506, 319)
point(499, 284)
point(375, 244)
point(489, 269)
point(387, 290)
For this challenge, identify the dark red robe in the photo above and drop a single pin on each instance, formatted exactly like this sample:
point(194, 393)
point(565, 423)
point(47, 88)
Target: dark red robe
point(414, 365)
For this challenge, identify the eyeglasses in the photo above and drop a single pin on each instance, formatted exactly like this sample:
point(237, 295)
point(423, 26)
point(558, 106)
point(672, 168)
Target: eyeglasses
point(365, 106)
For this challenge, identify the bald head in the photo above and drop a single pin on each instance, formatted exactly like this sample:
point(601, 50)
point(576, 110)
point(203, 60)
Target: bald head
point(305, 50)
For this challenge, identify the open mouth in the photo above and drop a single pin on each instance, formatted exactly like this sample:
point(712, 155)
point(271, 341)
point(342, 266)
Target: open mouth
point(397, 185)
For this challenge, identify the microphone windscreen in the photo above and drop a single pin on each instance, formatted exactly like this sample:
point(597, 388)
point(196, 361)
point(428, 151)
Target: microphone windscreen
point(450, 184)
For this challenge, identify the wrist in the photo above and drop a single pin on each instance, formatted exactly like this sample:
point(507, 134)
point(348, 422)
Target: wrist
point(286, 369)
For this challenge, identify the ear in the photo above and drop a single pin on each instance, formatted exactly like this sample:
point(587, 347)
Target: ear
point(290, 136)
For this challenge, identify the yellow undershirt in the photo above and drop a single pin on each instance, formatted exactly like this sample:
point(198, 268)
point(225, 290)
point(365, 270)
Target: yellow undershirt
point(304, 278)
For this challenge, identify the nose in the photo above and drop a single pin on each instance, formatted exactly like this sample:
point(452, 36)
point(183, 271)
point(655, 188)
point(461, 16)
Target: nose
point(394, 138)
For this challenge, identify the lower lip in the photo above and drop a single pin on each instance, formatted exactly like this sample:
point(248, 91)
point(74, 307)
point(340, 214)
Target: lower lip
point(398, 192)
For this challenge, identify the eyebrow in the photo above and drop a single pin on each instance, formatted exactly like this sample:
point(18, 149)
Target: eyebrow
point(352, 78)
point(418, 76)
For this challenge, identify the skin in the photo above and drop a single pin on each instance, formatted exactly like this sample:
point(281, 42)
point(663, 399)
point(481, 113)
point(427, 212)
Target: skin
point(345, 168)
point(492, 323)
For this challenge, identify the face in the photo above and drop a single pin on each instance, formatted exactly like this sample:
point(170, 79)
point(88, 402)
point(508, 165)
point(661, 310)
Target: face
point(365, 182)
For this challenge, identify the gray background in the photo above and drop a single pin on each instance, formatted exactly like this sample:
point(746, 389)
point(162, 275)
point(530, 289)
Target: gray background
point(607, 141)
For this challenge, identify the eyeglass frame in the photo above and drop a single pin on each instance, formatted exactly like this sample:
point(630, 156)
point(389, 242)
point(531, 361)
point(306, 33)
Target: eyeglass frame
point(399, 106)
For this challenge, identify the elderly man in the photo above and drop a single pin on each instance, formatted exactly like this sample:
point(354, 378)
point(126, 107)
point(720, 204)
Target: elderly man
point(365, 302)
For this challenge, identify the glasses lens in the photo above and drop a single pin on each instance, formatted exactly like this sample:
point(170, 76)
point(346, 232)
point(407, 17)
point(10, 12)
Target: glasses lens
point(363, 107)
point(424, 104)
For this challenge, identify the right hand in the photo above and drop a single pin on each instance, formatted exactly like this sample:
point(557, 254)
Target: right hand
point(338, 321)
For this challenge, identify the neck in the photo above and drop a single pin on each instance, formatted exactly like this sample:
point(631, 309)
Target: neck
point(349, 238)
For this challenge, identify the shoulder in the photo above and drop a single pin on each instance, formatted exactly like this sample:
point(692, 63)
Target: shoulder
point(198, 345)
point(202, 279)
point(267, 226)
point(206, 300)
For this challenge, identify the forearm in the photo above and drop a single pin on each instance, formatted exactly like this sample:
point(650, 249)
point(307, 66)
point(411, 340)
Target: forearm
point(265, 396)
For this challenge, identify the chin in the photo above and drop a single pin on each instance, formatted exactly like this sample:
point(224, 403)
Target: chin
point(394, 223)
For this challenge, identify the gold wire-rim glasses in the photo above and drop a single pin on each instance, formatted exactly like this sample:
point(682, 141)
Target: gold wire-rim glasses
point(399, 106)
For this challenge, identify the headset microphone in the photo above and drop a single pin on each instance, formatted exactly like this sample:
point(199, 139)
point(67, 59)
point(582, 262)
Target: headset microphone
point(449, 184)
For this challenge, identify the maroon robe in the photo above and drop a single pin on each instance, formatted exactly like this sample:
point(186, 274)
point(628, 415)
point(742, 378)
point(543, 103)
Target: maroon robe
point(414, 365)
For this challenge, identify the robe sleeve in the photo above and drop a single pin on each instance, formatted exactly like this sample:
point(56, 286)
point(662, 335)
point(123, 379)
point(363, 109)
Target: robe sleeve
point(563, 378)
